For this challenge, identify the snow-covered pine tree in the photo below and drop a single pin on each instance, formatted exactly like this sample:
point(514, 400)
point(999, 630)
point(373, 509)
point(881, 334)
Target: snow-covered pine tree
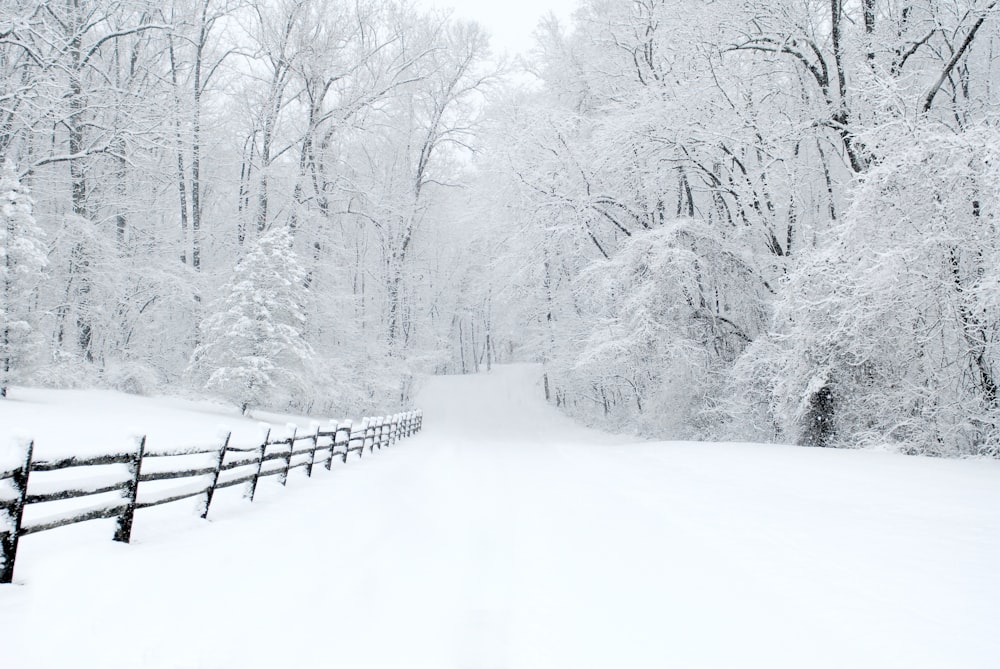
point(253, 351)
point(23, 253)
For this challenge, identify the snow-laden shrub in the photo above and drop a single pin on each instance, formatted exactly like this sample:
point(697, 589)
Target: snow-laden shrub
point(670, 311)
point(63, 369)
point(897, 316)
point(131, 377)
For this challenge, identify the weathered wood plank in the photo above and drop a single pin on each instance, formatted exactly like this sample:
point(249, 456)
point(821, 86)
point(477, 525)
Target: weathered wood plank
point(272, 472)
point(172, 498)
point(244, 449)
point(236, 481)
point(73, 494)
point(179, 452)
point(77, 517)
point(179, 474)
point(63, 463)
point(236, 464)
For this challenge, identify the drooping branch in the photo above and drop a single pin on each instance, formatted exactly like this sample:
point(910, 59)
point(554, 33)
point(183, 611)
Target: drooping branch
point(957, 56)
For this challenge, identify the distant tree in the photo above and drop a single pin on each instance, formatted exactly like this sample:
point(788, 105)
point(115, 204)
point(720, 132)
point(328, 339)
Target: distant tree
point(253, 349)
point(23, 251)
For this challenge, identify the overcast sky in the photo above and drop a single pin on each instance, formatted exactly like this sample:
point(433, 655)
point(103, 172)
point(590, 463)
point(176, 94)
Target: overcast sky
point(510, 22)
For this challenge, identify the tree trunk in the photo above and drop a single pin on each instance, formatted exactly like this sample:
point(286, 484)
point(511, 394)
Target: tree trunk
point(197, 85)
point(179, 141)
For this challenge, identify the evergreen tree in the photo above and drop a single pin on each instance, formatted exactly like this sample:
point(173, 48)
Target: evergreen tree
point(253, 348)
point(23, 253)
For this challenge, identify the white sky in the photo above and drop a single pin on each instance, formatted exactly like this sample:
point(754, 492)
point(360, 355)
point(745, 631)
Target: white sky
point(510, 22)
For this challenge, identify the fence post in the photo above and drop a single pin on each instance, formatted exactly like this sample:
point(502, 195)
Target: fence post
point(252, 489)
point(420, 420)
point(333, 443)
point(288, 460)
point(357, 435)
point(312, 454)
point(346, 427)
point(8, 540)
point(370, 434)
point(123, 532)
point(215, 475)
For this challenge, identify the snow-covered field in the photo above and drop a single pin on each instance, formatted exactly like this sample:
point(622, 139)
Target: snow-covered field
point(79, 422)
point(504, 535)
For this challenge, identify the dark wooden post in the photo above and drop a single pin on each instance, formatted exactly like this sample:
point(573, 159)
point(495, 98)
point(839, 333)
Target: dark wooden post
point(333, 443)
point(283, 479)
point(123, 532)
point(357, 434)
point(252, 488)
point(8, 540)
point(345, 429)
point(215, 475)
point(384, 439)
point(312, 454)
point(370, 434)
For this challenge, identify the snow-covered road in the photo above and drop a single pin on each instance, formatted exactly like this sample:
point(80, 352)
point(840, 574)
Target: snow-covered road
point(504, 535)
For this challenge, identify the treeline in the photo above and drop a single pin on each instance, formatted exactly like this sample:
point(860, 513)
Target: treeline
point(726, 219)
point(236, 195)
point(761, 220)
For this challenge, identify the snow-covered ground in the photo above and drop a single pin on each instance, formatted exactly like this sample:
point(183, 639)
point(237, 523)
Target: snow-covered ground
point(504, 535)
point(85, 422)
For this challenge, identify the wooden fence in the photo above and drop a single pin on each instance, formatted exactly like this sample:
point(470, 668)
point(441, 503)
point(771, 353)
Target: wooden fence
point(201, 471)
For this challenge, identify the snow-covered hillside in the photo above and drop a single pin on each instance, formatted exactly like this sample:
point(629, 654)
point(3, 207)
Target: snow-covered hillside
point(85, 422)
point(504, 535)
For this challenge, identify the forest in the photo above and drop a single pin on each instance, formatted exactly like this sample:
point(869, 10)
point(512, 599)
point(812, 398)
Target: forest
point(707, 219)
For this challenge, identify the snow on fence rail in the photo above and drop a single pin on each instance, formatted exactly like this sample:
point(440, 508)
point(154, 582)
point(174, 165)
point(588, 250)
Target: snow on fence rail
point(203, 470)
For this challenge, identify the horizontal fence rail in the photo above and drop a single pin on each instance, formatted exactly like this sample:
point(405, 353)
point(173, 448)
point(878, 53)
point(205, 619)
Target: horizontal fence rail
point(198, 472)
